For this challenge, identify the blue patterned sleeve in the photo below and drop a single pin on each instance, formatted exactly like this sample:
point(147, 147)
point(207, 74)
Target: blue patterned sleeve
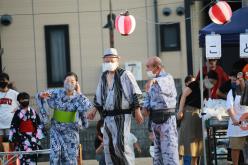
point(146, 103)
point(40, 131)
point(44, 105)
point(83, 106)
point(43, 112)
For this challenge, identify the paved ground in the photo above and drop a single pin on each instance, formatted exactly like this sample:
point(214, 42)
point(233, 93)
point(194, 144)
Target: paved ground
point(138, 161)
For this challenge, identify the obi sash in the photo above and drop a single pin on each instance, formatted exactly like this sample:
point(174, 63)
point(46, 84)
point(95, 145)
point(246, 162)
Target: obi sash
point(64, 116)
point(27, 126)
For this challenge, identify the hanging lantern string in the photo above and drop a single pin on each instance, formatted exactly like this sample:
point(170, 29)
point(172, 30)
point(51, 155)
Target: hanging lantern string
point(188, 18)
point(126, 13)
point(168, 23)
point(98, 11)
point(134, 8)
point(114, 10)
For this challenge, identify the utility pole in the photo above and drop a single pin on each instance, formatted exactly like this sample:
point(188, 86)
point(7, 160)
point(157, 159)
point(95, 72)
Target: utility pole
point(155, 3)
point(244, 3)
point(111, 27)
point(187, 6)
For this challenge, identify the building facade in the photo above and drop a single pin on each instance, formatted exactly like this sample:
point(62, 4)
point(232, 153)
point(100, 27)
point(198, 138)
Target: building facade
point(47, 38)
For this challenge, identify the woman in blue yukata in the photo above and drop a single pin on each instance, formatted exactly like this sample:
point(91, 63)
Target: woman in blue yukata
point(69, 106)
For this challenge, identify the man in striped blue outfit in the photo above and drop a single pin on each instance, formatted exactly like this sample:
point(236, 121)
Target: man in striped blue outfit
point(160, 103)
point(117, 97)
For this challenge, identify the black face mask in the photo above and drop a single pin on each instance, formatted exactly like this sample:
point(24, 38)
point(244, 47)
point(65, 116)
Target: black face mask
point(3, 84)
point(24, 104)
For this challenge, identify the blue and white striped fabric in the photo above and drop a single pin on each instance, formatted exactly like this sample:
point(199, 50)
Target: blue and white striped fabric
point(162, 95)
point(122, 93)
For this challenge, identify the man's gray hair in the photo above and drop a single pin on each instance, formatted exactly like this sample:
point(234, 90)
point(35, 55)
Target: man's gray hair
point(156, 61)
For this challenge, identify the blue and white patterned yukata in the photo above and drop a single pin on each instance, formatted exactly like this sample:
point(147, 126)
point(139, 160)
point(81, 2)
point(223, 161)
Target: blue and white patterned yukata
point(123, 93)
point(162, 95)
point(64, 137)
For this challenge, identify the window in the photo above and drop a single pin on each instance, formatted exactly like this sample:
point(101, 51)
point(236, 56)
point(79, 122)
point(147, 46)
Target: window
point(57, 54)
point(170, 37)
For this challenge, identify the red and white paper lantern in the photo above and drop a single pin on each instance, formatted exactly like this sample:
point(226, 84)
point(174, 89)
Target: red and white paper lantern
point(220, 13)
point(125, 24)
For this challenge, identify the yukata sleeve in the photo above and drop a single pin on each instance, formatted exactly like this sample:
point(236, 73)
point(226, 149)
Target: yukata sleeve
point(174, 90)
point(83, 107)
point(135, 92)
point(44, 105)
point(168, 90)
point(167, 86)
point(40, 131)
point(97, 99)
point(146, 103)
point(14, 128)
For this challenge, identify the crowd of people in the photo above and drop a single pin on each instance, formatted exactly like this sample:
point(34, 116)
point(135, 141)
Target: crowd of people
point(118, 98)
point(216, 85)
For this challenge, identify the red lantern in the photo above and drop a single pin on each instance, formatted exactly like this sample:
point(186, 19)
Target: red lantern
point(220, 13)
point(125, 23)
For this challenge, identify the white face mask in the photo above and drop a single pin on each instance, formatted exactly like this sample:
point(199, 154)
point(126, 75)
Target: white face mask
point(69, 86)
point(150, 75)
point(109, 66)
point(208, 84)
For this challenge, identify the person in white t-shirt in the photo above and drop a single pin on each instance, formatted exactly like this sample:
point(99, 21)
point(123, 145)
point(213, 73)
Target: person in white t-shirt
point(132, 142)
point(237, 131)
point(8, 103)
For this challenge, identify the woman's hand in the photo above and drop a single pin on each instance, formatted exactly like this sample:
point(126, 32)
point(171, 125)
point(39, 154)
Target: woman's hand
point(91, 114)
point(78, 88)
point(45, 95)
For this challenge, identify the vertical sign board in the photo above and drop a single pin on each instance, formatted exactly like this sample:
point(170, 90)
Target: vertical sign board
point(136, 68)
point(243, 45)
point(213, 46)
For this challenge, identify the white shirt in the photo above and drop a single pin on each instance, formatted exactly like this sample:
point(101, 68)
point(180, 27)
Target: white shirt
point(8, 103)
point(131, 140)
point(235, 131)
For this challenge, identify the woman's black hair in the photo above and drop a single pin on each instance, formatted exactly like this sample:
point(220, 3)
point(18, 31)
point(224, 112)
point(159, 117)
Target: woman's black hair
point(188, 78)
point(71, 74)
